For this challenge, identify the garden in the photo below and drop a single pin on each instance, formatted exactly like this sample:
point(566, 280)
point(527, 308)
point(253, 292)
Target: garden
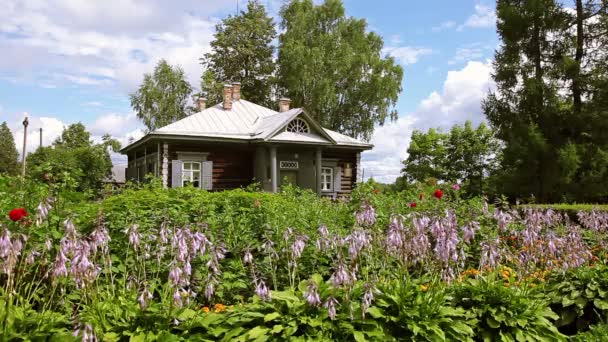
point(151, 264)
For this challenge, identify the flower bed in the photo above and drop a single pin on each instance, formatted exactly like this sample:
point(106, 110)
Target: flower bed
point(154, 264)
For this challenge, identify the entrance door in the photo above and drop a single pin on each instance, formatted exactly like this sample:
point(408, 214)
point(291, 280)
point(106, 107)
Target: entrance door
point(289, 177)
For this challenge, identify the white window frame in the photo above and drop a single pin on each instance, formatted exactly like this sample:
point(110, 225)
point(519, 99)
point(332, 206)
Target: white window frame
point(188, 174)
point(327, 184)
point(298, 125)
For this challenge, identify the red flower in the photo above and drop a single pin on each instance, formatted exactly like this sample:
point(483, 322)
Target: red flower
point(438, 194)
point(413, 204)
point(17, 214)
point(421, 196)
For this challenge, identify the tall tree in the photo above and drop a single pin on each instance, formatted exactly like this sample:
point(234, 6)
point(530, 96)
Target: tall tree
point(470, 156)
point(332, 66)
point(549, 108)
point(74, 136)
point(526, 109)
point(242, 51)
point(163, 96)
point(426, 156)
point(74, 157)
point(9, 155)
point(465, 155)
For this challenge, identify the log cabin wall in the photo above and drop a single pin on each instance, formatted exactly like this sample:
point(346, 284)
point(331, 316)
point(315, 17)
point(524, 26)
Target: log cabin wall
point(232, 166)
point(345, 157)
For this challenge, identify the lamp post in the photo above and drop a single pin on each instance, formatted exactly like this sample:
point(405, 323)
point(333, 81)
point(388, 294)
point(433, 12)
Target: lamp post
point(25, 123)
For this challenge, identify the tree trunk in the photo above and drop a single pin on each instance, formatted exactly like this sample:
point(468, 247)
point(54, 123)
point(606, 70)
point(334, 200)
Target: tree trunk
point(576, 82)
point(540, 112)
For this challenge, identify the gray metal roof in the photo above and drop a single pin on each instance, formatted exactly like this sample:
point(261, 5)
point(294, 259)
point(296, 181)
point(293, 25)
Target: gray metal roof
point(249, 121)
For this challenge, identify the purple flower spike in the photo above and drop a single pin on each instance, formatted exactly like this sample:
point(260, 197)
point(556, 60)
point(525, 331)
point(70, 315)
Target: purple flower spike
point(330, 305)
point(312, 294)
point(262, 290)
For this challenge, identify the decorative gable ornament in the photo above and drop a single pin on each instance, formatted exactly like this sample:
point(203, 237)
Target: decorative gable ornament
point(298, 125)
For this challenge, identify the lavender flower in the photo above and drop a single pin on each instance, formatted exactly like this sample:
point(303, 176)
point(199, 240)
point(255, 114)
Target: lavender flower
point(86, 332)
point(312, 294)
point(209, 289)
point(298, 246)
point(366, 216)
point(342, 275)
point(490, 253)
point(394, 235)
point(330, 305)
point(468, 231)
point(368, 298)
point(357, 241)
point(144, 298)
point(43, 210)
point(247, 257)
point(262, 290)
point(324, 242)
point(48, 244)
point(134, 236)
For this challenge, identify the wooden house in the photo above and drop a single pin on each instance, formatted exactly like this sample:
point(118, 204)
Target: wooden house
point(236, 142)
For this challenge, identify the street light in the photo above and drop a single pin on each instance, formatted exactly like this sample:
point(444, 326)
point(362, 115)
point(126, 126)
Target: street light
point(25, 123)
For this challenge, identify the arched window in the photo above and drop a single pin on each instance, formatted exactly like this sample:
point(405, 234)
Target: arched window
point(298, 125)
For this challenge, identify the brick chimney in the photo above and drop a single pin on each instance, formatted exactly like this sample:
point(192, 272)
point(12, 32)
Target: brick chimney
point(201, 103)
point(284, 104)
point(227, 96)
point(236, 91)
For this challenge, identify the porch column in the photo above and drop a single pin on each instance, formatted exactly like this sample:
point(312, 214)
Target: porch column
point(273, 168)
point(318, 162)
point(165, 168)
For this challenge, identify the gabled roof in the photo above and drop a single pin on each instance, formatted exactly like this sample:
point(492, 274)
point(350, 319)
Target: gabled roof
point(247, 121)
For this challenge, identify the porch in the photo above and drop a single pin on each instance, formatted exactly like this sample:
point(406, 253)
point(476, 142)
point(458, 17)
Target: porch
point(328, 172)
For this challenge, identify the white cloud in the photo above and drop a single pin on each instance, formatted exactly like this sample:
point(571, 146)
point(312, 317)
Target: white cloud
point(114, 124)
point(484, 16)
point(51, 129)
point(458, 101)
point(107, 43)
point(471, 52)
point(444, 26)
point(406, 55)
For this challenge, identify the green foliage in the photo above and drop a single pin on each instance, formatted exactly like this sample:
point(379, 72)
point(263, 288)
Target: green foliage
point(162, 98)
point(394, 297)
point(580, 298)
point(464, 155)
point(8, 151)
point(242, 51)
point(73, 160)
point(511, 313)
point(412, 314)
point(331, 65)
point(547, 108)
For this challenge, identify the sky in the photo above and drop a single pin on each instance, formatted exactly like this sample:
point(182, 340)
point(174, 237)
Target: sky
point(67, 61)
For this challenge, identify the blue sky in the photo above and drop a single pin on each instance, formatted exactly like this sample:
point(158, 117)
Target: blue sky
point(66, 61)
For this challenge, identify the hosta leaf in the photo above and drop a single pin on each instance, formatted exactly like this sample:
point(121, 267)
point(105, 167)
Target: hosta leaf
point(186, 314)
point(359, 337)
point(600, 304)
point(375, 312)
point(567, 301)
point(492, 323)
point(257, 332)
point(233, 333)
point(110, 337)
point(277, 329)
point(271, 316)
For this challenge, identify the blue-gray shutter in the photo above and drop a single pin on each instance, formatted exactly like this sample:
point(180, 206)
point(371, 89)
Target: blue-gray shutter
point(207, 175)
point(176, 173)
point(337, 178)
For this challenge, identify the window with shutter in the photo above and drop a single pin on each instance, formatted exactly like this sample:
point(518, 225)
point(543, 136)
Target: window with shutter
point(207, 177)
